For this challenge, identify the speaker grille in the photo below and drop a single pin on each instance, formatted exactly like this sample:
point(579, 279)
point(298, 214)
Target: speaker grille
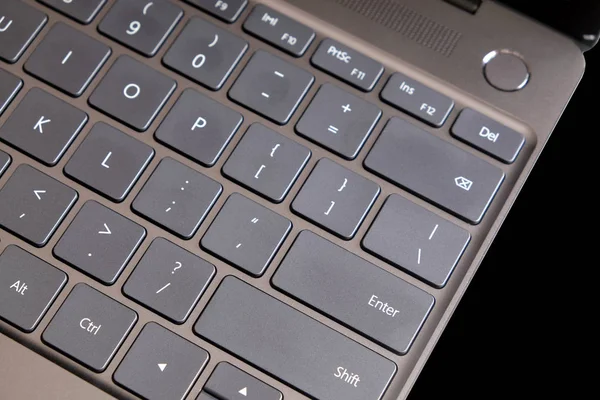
point(407, 22)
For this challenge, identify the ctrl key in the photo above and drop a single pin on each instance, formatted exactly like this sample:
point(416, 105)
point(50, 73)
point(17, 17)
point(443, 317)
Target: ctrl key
point(89, 327)
point(28, 287)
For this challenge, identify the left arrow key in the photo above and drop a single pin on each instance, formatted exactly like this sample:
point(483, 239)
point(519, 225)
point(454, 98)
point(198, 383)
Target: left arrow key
point(24, 194)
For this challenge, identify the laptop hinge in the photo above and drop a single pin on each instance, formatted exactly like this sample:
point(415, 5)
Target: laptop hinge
point(470, 6)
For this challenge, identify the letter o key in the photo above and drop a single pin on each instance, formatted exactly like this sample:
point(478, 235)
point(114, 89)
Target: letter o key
point(132, 87)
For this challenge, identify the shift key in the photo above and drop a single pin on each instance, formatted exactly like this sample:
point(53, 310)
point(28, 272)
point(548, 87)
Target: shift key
point(353, 291)
point(292, 347)
point(435, 169)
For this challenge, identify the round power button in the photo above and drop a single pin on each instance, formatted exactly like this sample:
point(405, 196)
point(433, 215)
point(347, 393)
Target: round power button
point(505, 70)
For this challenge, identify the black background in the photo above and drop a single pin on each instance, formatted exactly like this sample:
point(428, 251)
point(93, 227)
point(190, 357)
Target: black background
point(523, 328)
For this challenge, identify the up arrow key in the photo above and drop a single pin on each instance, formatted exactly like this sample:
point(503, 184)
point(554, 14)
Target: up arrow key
point(244, 392)
point(38, 193)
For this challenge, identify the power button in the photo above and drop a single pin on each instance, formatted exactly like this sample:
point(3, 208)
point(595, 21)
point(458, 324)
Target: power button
point(505, 70)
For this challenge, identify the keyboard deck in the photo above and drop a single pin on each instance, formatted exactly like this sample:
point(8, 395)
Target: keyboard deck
point(212, 200)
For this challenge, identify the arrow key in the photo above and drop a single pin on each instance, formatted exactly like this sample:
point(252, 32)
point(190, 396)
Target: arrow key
point(230, 383)
point(99, 242)
point(32, 204)
point(161, 365)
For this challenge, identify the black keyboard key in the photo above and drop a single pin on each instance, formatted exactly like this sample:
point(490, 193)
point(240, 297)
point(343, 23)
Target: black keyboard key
point(347, 64)
point(338, 121)
point(4, 162)
point(418, 100)
point(81, 11)
point(353, 291)
point(205, 53)
point(32, 204)
point(226, 10)
point(161, 365)
point(9, 87)
point(229, 382)
point(141, 25)
point(336, 198)
point(132, 93)
point(266, 162)
point(169, 280)
point(177, 198)
point(316, 360)
point(109, 161)
point(434, 169)
point(94, 230)
point(246, 234)
point(416, 240)
point(488, 135)
point(199, 127)
point(271, 87)
point(28, 287)
point(19, 25)
point(279, 30)
point(89, 327)
point(67, 59)
point(43, 126)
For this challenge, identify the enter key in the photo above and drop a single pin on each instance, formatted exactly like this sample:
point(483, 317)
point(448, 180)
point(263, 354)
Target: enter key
point(358, 294)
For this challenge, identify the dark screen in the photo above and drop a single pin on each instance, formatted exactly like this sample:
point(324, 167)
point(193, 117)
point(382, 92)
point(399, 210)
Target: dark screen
point(579, 19)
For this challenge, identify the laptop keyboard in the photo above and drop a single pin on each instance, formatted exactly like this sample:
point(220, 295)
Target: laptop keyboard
point(267, 281)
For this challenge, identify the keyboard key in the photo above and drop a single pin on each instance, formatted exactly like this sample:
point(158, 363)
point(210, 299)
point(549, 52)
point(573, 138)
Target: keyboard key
point(32, 204)
point(430, 167)
point(28, 287)
point(266, 162)
point(89, 327)
point(161, 365)
point(4, 162)
point(10, 85)
point(347, 64)
point(246, 234)
point(81, 11)
point(205, 396)
point(132, 93)
point(205, 53)
point(43, 126)
point(488, 135)
point(109, 161)
point(94, 230)
point(338, 121)
point(271, 87)
point(279, 30)
point(177, 198)
point(226, 10)
point(418, 100)
point(353, 291)
point(416, 240)
point(316, 360)
point(140, 24)
point(229, 382)
point(19, 25)
point(169, 280)
point(336, 198)
point(67, 59)
point(199, 127)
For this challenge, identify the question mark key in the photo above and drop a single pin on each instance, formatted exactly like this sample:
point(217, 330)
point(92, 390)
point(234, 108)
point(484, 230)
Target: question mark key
point(169, 280)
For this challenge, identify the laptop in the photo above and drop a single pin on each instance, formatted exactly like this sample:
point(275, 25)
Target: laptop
point(275, 199)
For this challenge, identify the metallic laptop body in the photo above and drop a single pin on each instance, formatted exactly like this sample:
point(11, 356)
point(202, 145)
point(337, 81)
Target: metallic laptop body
point(491, 84)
